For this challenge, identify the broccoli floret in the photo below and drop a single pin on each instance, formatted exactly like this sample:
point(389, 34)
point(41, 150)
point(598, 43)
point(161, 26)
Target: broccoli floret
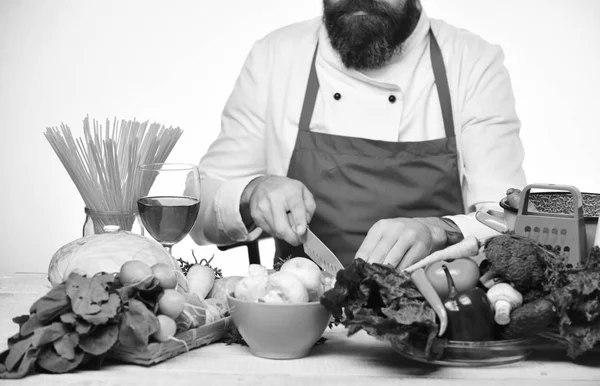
point(534, 294)
point(517, 260)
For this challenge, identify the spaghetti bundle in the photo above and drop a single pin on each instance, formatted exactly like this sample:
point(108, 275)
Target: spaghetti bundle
point(104, 163)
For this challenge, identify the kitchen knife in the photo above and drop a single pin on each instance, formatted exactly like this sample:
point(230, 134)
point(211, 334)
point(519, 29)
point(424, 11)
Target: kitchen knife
point(316, 250)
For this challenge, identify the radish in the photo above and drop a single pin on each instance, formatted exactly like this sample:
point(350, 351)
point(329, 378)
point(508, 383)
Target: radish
point(188, 310)
point(200, 280)
point(166, 275)
point(221, 305)
point(194, 313)
point(166, 330)
point(469, 246)
point(171, 303)
point(135, 272)
point(214, 309)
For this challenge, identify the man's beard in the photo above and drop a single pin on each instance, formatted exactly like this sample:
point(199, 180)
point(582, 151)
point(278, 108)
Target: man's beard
point(368, 41)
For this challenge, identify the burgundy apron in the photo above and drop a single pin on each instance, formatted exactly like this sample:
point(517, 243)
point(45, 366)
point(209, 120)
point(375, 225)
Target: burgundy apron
point(357, 182)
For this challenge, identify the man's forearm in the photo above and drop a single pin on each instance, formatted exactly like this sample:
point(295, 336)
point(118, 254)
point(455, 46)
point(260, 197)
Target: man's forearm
point(245, 204)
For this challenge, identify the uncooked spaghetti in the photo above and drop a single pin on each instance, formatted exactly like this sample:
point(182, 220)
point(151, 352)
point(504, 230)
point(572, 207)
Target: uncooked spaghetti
point(104, 163)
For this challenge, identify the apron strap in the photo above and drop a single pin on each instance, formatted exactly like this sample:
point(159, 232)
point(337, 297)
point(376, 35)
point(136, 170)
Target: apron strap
point(439, 74)
point(310, 97)
point(441, 83)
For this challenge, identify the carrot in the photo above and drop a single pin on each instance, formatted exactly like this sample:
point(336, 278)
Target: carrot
point(429, 293)
point(467, 247)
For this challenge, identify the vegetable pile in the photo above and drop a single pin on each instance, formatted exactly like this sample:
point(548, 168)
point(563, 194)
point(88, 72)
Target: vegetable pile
point(521, 290)
point(556, 295)
point(412, 307)
point(79, 321)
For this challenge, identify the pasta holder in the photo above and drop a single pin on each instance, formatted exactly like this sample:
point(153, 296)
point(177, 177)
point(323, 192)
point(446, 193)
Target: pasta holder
point(565, 231)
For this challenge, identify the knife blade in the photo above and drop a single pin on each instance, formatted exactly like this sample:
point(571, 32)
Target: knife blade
point(318, 251)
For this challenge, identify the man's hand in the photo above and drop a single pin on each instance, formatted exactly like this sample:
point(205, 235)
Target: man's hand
point(280, 206)
point(401, 242)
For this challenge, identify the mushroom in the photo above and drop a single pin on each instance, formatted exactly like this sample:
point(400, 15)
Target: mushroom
point(504, 298)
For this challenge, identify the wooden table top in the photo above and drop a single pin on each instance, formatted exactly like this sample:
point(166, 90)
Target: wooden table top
point(341, 360)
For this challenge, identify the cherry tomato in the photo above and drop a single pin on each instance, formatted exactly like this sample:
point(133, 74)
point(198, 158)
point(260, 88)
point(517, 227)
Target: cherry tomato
point(465, 273)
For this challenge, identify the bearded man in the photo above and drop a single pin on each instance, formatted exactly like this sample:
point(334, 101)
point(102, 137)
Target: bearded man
point(379, 128)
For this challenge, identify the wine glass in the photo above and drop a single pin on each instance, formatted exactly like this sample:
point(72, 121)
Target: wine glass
point(169, 201)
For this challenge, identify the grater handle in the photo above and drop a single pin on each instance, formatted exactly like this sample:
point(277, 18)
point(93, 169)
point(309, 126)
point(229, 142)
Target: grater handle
point(492, 219)
point(577, 199)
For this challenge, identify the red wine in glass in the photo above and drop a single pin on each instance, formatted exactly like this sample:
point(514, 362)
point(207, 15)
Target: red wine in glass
point(169, 200)
point(168, 219)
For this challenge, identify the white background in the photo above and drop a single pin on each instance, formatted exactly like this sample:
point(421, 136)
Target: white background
point(175, 62)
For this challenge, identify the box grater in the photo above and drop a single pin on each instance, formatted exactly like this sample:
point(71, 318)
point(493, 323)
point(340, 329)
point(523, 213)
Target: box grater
point(566, 231)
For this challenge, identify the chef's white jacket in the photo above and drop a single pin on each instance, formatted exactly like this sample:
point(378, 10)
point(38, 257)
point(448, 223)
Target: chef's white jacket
point(260, 119)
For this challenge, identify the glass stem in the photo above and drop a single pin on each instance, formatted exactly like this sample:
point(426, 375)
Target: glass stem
point(169, 249)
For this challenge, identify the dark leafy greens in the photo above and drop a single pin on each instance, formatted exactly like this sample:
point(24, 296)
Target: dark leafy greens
point(575, 293)
point(386, 304)
point(78, 322)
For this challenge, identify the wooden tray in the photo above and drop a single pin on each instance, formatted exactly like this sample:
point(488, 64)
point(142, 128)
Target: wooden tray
point(159, 352)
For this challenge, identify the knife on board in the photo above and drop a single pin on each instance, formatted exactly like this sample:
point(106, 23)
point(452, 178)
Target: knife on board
point(318, 251)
